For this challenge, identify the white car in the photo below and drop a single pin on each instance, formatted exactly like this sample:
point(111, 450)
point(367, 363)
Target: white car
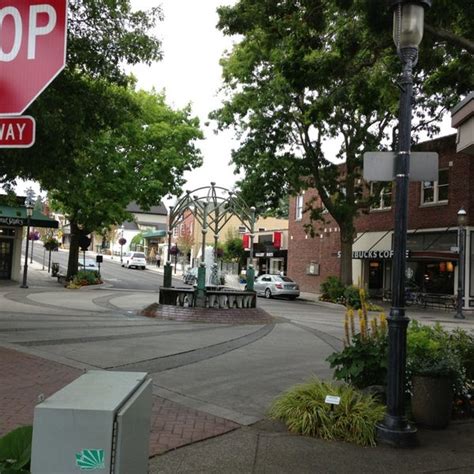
point(91, 265)
point(134, 259)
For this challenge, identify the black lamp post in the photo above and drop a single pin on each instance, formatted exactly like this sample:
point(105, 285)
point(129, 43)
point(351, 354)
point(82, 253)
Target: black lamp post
point(408, 18)
point(462, 218)
point(29, 204)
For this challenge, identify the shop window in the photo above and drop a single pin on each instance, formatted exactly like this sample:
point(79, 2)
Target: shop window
point(436, 191)
point(299, 207)
point(384, 198)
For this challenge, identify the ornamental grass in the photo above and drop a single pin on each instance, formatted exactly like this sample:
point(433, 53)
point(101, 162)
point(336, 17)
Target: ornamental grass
point(304, 411)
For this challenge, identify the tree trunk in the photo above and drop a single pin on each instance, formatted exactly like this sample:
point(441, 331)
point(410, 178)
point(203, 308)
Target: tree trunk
point(346, 256)
point(73, 262)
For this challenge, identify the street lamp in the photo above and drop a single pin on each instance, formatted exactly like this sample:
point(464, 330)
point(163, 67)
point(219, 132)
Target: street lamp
point(408, 18)
point(462, 219)
point(29, 204)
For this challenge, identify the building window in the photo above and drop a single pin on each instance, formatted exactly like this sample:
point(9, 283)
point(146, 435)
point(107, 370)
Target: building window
point(242, 229)
point(436, 191)
point(299, 207)
point(384, 199)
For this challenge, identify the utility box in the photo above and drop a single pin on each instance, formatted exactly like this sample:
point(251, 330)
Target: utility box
point(99, 423)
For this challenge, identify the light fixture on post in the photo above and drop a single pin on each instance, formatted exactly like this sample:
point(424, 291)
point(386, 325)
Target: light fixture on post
point(462, 220)
point(29, 204)
point(408, 18)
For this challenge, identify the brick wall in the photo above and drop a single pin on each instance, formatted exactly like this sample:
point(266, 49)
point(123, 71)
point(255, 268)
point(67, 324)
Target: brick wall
point(302, 249)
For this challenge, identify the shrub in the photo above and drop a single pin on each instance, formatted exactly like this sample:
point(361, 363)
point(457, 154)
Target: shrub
point(332, 289)
point(304, 411)
point(429, 351)
point(15, 450)
point(84, 278)
point(352, 297)
point(362, 363)
point(463, 344)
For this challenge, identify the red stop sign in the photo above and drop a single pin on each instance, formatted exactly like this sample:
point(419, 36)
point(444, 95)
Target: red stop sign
point(32, 50)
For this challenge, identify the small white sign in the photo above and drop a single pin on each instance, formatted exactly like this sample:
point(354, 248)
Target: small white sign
point(332, 400)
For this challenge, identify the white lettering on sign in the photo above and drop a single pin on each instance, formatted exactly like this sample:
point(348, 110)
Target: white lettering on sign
point(12, 131)
point(15, 14)
point(33, 29)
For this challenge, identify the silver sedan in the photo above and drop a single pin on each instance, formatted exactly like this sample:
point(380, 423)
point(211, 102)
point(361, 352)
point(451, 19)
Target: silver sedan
point(276, 285)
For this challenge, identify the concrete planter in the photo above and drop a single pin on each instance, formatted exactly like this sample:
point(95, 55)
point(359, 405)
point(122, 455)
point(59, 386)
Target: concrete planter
point(432, 400)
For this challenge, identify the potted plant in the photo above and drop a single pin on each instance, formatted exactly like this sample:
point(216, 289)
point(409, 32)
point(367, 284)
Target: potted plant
point(434, 369)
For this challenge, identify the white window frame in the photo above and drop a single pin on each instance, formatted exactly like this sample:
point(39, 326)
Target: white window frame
point(435, 186)
point(299, 207)
point(380, 205)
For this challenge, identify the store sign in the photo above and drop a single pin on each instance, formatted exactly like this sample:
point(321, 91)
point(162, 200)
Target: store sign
point(263, 254)
point(372, 254)
point(11, 221)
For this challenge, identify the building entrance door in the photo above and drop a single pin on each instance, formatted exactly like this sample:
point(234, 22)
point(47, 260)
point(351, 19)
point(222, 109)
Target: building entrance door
point(375, 278)
point(6, 255)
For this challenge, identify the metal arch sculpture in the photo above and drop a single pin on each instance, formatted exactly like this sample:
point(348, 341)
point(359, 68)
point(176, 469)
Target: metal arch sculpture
point(212, 206)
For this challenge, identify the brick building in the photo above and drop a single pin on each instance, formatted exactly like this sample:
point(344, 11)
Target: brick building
point(432, 260)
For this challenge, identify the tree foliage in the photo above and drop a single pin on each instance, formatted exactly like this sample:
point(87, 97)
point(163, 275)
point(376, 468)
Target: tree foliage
point(141, 158)
point(309, 71)
point(103, 36)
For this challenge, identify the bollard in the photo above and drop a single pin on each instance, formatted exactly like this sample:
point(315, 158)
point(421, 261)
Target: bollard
point(250, 278)
point(167, 276)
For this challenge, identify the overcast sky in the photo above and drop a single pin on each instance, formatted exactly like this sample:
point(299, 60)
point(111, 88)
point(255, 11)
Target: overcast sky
point(190, 73)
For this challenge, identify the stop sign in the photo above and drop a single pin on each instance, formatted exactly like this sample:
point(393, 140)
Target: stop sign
point(32, 50)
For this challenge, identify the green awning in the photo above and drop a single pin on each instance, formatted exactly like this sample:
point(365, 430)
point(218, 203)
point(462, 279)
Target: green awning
point(153, 234)
point(16, 217)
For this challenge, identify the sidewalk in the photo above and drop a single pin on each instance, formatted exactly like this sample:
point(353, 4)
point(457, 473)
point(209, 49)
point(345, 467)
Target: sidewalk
point(225, 446)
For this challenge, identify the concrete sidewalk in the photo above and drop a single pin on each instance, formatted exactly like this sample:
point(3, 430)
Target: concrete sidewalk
point(46, 327)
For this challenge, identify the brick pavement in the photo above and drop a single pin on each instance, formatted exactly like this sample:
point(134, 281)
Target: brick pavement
point(23, 378)
point(208, 315)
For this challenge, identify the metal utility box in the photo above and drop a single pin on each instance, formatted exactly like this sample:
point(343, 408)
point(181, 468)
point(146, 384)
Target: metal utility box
point(99, 423)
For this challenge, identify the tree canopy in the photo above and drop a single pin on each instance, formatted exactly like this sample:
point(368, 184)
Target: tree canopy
point(309, 71)
point(103, 37)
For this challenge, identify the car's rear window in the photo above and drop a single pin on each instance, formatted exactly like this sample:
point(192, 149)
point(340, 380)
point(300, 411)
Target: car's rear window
point(138, 255)
point(284, 279)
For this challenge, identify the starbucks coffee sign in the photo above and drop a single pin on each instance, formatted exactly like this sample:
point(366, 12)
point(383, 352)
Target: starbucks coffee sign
point(372, 254)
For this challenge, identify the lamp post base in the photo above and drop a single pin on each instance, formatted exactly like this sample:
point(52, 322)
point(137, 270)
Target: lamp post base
point(23, 286)
point(459, 316)
point(396, 432)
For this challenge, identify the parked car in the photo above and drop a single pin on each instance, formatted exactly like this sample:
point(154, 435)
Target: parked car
point(276, 285)
point(190, 277)
point(91, 265)
point(134, 259)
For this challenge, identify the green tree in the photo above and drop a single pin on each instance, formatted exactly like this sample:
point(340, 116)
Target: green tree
point(234, 249)
point(103, 36)
point(141, 158)
point(308, 71)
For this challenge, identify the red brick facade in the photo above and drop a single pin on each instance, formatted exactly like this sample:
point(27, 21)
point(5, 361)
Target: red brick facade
point(323, 248)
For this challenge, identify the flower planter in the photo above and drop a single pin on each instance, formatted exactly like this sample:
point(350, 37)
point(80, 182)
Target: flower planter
point(432, 401)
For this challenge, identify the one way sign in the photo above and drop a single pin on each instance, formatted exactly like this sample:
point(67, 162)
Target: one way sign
point(17, 132)
point(380, 166)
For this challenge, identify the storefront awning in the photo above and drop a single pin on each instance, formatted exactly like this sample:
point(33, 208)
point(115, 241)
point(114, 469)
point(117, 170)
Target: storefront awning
point(16, 217)
point(154, 234)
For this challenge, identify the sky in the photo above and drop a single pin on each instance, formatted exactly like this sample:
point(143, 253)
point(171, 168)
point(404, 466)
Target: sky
point(190, 73)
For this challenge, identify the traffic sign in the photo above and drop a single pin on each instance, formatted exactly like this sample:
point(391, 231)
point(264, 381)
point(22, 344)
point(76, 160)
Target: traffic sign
point(17, 132)
point(32, 50)
point(380, 166)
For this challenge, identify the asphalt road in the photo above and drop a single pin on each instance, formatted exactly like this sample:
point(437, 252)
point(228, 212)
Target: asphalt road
point(112, 272)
